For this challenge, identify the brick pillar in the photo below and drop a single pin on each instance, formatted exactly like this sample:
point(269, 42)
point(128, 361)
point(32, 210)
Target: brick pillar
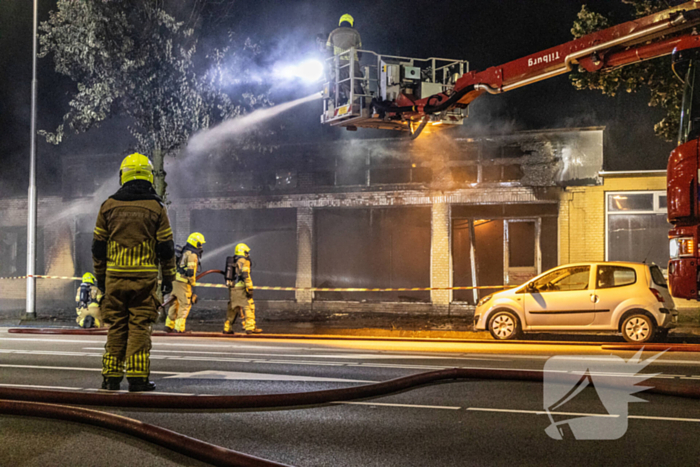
point(440, 254)
point(305, 229)
point(181, 227)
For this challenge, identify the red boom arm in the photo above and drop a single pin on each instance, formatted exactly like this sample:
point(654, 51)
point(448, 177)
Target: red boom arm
point(607, 49)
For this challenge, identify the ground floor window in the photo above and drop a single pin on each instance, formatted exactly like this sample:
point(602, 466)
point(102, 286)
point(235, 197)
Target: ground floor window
point(637, 229)
point(13, 251)
point(372, 248)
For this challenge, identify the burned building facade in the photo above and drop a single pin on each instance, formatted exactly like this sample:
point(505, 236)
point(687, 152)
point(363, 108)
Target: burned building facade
point(435, 212)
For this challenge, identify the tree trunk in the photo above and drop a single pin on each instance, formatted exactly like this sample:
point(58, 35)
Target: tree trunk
point(160, 186)
point(159, 173)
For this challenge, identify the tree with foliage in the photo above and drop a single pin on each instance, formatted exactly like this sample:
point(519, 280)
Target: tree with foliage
point(133, 58)
point(656, 75)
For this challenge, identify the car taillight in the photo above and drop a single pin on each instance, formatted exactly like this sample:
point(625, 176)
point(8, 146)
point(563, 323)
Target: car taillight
point(658, 295)
point(683, 246)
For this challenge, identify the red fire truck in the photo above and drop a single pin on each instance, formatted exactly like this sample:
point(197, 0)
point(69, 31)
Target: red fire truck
point(408, 94)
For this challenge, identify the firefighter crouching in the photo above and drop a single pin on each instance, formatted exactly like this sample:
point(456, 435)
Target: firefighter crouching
point(88, 298)
point(132, 239)
point(240, 290)
point(187, 265)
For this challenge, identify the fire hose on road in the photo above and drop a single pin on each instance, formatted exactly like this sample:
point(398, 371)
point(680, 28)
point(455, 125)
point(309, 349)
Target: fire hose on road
point(43, 403)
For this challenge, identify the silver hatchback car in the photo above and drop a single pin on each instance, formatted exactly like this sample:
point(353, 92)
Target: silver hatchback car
point(630, 298)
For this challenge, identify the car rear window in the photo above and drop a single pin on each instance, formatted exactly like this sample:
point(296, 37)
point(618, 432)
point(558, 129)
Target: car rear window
point(615, 276)
point(658, 277)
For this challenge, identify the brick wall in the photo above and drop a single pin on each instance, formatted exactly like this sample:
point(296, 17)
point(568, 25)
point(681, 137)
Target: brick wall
point(440, 254)
point(305, 228)
point(582, 215)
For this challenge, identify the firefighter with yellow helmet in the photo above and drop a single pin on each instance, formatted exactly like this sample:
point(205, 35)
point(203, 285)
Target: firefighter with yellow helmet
point(88, 299)
point(240, 289)
point(187, 265)
point(132, 240)
point(340, 40)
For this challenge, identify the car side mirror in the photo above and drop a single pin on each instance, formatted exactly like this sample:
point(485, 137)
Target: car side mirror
point(531, 287)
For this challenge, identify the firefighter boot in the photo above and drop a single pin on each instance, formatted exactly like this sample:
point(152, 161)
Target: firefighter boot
point(169, 325)
point(253, 331)
point(88, 322)
point(140, 384)
point(228, 327)
point(111, 383)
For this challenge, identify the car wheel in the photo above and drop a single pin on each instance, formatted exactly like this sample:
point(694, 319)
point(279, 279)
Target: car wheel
point(638, 329)
point(504, 325)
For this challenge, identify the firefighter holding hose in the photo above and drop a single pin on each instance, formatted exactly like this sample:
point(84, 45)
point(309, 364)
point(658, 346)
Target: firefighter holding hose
point(187, 262)
point(240, 289)
point(88, 298)
point(132, 240)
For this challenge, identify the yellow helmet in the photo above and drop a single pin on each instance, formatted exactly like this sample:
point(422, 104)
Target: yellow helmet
point(241, 250)
point(196, 239)
point(88, 278)
point(135, 167)
point(348, 18)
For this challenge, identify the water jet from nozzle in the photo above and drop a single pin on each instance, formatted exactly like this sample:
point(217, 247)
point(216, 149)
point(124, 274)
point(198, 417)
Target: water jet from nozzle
point(208, 140)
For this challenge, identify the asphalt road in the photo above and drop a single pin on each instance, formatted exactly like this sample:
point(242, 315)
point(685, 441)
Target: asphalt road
point(457, 423)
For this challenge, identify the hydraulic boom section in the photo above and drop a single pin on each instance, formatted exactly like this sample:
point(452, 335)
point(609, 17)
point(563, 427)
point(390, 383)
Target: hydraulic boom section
point(406, 93)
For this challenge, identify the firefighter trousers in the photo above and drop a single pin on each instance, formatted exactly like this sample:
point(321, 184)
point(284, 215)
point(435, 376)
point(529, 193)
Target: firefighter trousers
point(180, 309)
point(130, 305)
point(238, 300)
point(93, 310)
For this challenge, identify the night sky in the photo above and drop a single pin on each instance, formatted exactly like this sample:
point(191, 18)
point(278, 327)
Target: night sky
point(484, 33)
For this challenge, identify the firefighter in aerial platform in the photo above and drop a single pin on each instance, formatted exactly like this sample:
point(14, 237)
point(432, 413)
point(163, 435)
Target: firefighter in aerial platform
point(340, 40)
point(240, 290)
point(132, 240)
point(187, 264)
point(88, 298)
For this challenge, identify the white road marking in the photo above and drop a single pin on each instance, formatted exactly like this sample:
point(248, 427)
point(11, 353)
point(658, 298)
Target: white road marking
point(412, 406)
point(34, 386)
point(298, 362)
point(122, 391)
point(58, 339)
point(70, 368)
point(542, 412)
point(68, 341)
point(346, 356)
point(246, 376)
point(669, 419)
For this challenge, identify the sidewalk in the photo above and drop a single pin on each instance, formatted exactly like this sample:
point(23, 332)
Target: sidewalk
point(354, 324)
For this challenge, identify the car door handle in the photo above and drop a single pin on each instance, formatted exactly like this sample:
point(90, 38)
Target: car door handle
point(594, 298)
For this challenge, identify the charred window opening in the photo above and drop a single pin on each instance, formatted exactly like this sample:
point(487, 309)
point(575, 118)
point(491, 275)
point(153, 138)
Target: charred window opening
point(372, 248)
point(389, 176)
point(511, 244)
point(348, 176)
point(323, 178)
point(501, 173)
point(465, 174)
point(421, 175)
point(285, 179)
point(467, 152)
